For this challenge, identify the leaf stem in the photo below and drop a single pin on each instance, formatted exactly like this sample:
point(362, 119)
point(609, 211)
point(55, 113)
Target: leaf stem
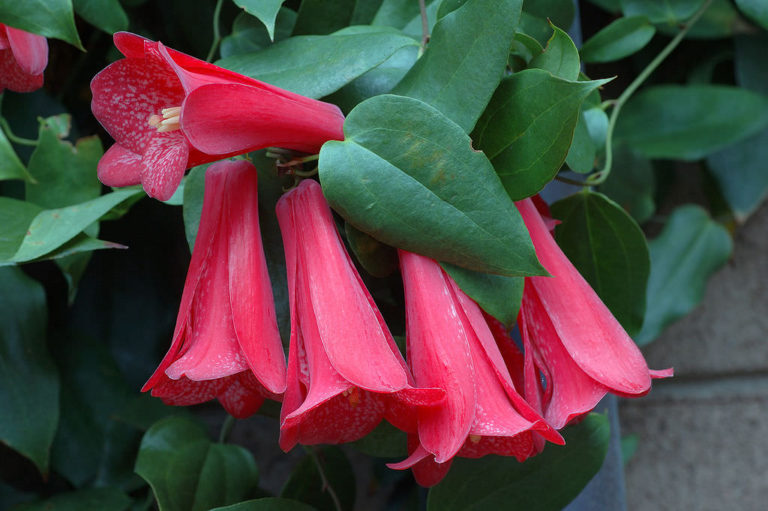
point(216, 31)
point(326, 485)
point(601, 175)
point(226, 429)
point(13, 138)
point(424, 27)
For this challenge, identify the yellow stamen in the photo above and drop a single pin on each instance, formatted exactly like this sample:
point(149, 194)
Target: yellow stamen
point(353, 395)
point(475, 438)
point(168, 121)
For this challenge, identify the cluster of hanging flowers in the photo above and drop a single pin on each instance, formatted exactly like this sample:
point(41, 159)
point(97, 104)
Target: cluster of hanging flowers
point(464, 389)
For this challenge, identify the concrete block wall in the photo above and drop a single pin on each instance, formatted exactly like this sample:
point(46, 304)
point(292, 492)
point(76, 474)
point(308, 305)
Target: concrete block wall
point(704, 434)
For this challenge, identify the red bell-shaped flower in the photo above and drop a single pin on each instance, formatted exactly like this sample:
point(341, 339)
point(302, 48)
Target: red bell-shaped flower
point(168, 111)
point(451, 347)
point(226, 344)
point(571, 338)
point(23, 57)
point(345, 372)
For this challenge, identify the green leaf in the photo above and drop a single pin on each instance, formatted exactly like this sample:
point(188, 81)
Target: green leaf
point(561, 12)
point(672, 12)
point(581, 155)
point(187, 472)
point(15, 217)
point(757, 10)
point(608, 248)
point(95, 499)
point(749, 55)
point(629, 444)
point(194, 188)
point(631, 184)
point(721, 19)
point(560, 57)
point(51, 228)
point(51, 18)
point(408, 176)
point(316, 66)
point(305, 483)
point(547, 482)
point(498, 295)
point(689, 250)
point(465, 60)
point(527, 129)
point(10, 164)
point(397, 13)
point(611, 6)
point(29, 384)
point(64, 174)
point(265, 10)
point(249, 35)
point(323, 17)
point(375, 257)
point(268, 504)
point(690, 122)
point(620, 39)
point(108, 15)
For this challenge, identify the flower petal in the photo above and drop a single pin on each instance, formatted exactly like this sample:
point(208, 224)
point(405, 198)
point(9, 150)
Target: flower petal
point(119, 167)
point(14, 78)
point(573, 392)
point(252, 304)
point(588, 331)
point(127, 93)
point(446, 364)
point(29, 50)
point(234, 118)
point(163, 164)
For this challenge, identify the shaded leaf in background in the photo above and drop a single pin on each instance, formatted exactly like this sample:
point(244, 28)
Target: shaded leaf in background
point(498, 295)
point(740, 169)
point(581, 155)
point(620, 39)
point(375, 257)
point(306, 485)
point(107, 15)
point(608, 248)
point(546, 482)
point(187, 472)
point(15, 217)
point(631, 184)
point(721, 19)
point(756, 10)
point(51, 18)
point(385, 441)
point(316, 66)
point(95, 499)
point(265, 10)
point(91, 447)
point(408, 176)
point(29, 383)
point(249, 35)
point(690, 122)
point(465, 60)
point(561, 12)
point(560, 57)
point(671, 12)
point(323, 17)
point(687, 252)
point(268, 504)
point(527, 129)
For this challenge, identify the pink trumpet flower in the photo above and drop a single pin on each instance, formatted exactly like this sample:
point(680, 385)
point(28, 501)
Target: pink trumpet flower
point(168, 112)
point(345, 372)
point(451, 347)
point(571, 338)
point(23, 58)
point(226, 344)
